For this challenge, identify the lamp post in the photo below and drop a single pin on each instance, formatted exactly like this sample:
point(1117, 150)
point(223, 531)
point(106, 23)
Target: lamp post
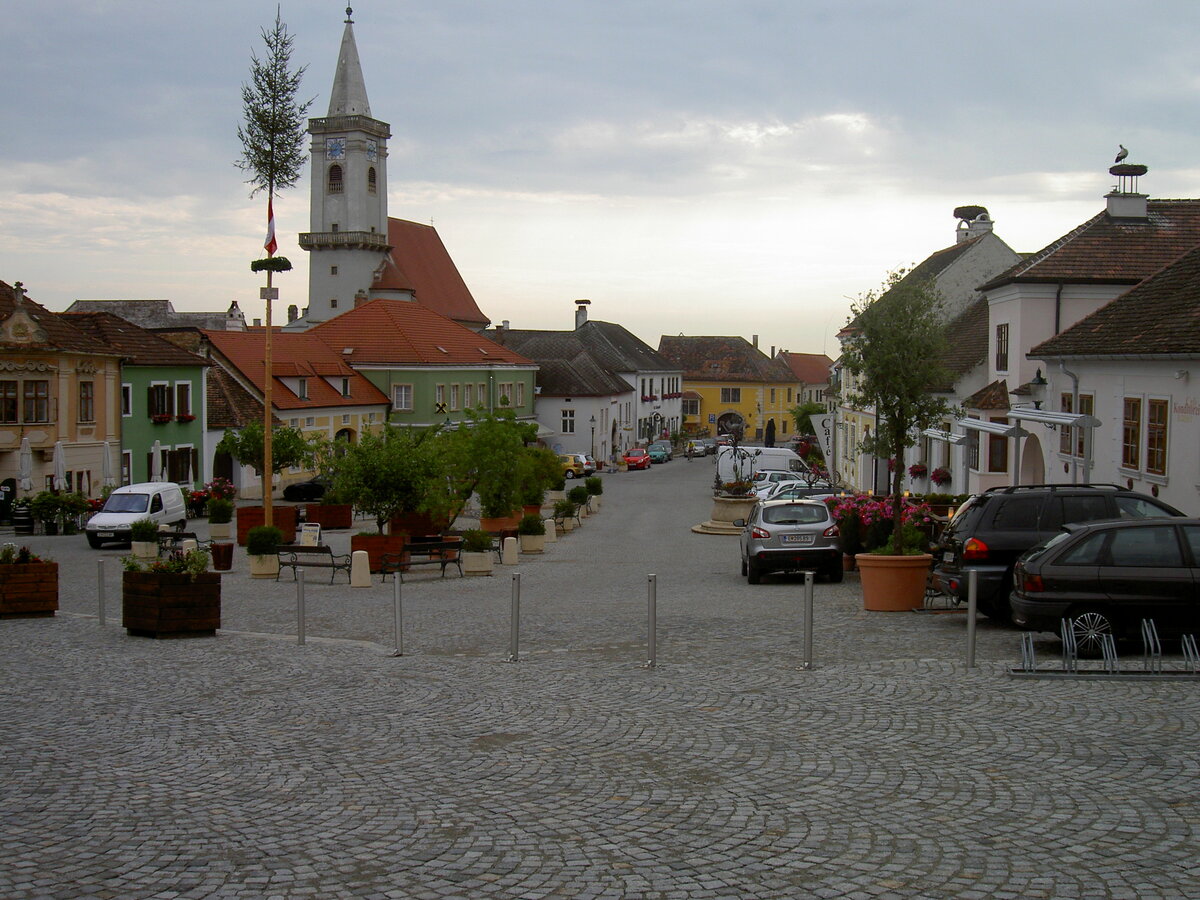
point(592, 422)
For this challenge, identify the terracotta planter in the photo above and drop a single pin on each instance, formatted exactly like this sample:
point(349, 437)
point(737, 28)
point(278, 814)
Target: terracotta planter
point(28, 590)
point(264, 566)
point(160, 604)
point(376, 545)
point(416, 525)
point(532, 543)
point(252, 516)
point(893, 583)
point(847, 562)
point(330, 515)
point(499, 523)
point(474, 563)
point(222, 556)
point(532, 509)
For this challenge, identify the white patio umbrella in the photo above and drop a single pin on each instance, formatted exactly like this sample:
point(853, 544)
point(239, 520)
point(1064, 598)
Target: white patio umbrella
point(25, 466)
point(60, 467)
point(156, 462)
point(106, 467)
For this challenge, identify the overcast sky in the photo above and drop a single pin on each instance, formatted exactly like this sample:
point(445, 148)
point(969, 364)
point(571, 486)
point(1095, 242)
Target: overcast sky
point(701, 167)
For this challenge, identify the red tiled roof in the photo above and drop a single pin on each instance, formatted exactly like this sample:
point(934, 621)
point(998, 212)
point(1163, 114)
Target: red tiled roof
point(229, 404)
point(719, 358)
point(992, 396)
point(1106, 250)
point(401, 333)
point(809, 368)
point(419, 262)
point(294, 354)
point(59, 332)
point(137, 346)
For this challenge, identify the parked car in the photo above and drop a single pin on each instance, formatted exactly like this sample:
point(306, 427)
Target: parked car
point(573, 464)
point(991, 530)
point(589, 464)
point(637, 458)
point(665, 446)
point(798, 490)
point(790, 535)
point(160, 501)
point(658, 454)
point(710, 446)
point(1108, 576)
point(695, 447)
point(306, 491)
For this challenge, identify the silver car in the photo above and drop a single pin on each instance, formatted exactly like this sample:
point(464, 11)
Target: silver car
point(790, 535)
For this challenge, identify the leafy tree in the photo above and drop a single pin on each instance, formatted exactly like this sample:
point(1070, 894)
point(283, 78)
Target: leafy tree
point(484, 456)
point(803, 414)
point(292, 448)
point(895, 349)
point(389, 472)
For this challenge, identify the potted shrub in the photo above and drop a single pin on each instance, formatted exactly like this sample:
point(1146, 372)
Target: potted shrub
point(262, 549)
point(28, 584)
point(172, 597)
point(564, 511)
point(71, 509)
point(44, 508)
point(594, 485)
point(558, 487)
point(143, 539)
point(331, 512)
point(578, 495)
point(477, 552)
point(531, 533)
point(220, 517)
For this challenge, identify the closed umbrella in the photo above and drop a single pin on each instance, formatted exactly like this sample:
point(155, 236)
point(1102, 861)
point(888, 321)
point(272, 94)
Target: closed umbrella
point(60, 467)
point(25, 466)
point(156, 462)
point(107, 479)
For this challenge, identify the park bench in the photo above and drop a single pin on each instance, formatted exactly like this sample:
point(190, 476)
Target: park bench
point(296, 556)
point(172, 541)
point(425, 551)
point(574, 514)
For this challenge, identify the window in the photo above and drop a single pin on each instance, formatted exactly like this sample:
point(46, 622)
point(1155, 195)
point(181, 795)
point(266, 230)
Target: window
point(439, 398)
point(371, 181)
point(789, 399)
point(998, 449)
point(1156, 547)
point(454, 396)
point(8, 401)
point(971, 449)
point(468, 399)
point(87, 401)
point(1017, 514)
point(1156, 437)
point(1131, 433)
point(731, 395)
point(568, 421)
point(158, 400)
point(37, 401)
point(691, 407)
point(333, 302)
point(335, 180)
point(127, 400)
point(302, 388)
point(772, 396)
point(1002, 347)
point(483, 397)
point(333, 270)
point(506, 392)
point(1069, 438)
point(309, 421)
point(345, 387)
point(520, 398)
point(183, 398)
point(402, 397)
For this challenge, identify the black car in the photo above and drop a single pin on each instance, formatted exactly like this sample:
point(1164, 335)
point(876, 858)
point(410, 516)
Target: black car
point(1108, 576)
point(306, 491)
point(991, 530)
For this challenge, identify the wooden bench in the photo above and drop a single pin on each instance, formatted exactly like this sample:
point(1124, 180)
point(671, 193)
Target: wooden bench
point(295, 556)
point(172, 541)
point(424, 551)
point(558, 520)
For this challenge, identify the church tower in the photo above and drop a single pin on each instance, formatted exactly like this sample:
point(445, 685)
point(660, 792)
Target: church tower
point(348, 213)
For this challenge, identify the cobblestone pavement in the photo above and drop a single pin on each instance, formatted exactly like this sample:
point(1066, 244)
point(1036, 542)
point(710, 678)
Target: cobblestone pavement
point(247, 765)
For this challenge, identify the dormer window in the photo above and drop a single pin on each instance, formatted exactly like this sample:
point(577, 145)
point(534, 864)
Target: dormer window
point(302, 388)
point(335, 180)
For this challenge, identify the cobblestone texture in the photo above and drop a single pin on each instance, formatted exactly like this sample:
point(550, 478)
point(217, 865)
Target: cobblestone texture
point(246, 765)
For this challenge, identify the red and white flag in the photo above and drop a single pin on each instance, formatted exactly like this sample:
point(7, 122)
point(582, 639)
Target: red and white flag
point(269, 244)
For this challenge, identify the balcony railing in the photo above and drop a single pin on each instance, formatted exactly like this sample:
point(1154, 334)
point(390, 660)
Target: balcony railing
point(356, 240)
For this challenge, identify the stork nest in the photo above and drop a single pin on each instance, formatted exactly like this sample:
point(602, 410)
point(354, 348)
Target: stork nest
point(1128, 169)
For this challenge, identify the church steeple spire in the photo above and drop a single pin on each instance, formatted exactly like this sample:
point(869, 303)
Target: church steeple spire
point(349, 94)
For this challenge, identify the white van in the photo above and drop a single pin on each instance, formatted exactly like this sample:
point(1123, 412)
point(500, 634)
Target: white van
point(160, 501)
point(753, 459)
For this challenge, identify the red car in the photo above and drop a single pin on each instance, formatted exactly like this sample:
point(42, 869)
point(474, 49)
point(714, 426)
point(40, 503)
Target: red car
point(637, 458)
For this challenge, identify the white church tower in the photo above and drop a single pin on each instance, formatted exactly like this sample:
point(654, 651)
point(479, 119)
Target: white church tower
point(348, 214)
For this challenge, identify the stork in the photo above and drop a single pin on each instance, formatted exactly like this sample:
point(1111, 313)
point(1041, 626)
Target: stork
point(1120, 156)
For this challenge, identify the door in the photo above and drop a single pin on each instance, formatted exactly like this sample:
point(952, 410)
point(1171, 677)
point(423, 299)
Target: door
point(1145, 576)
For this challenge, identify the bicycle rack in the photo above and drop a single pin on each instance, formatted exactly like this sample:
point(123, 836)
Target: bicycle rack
point(1151, 647)
point(1190, 656)
point(1108, 650)
point(1028, 656)
point(1070, 650)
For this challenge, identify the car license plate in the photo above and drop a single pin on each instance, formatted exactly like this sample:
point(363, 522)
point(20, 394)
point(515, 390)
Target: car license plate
point(947, 557)
point(104, 534)
point(798, 538)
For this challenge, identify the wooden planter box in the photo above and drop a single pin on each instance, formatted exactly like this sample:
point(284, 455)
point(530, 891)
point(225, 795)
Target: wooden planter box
point(416, 525)
point(28, 590)
point(160, 604)
point(376, 545)
point(330, 515)
point(252, 516)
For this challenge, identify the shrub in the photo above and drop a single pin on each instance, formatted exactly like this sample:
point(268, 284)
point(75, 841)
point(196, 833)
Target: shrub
point(578, 495)
point(263, 540)
point(220, 511)
point(594, 485)
point(559, 483)
point(44, 506)
point(564, 508)
point(144, 531)
point(192, 563)
point(10, 554)
point(476, 540)
point(531, 524)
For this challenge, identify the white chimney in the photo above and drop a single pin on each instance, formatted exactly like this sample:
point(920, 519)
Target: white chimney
point(581, 313)
point(754, 340)
point(1124, 201)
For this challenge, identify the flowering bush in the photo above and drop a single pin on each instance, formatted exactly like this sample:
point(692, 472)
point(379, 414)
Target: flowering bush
point(917, 470)
point(193, 563)
point(865, 521)
point(11, 555)
point(222, 488)
point(940, 476)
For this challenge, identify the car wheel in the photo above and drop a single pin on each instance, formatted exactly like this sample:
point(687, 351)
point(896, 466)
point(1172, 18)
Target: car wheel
point(753, 573)
point(1089, 627)
point(835, 573)
point(569, 473)
point(94, 542)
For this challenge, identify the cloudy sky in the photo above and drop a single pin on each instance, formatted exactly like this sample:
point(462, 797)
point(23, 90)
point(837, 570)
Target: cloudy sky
point(701, 167)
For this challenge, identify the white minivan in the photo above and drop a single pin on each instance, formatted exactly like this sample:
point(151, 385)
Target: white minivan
point(160, 501)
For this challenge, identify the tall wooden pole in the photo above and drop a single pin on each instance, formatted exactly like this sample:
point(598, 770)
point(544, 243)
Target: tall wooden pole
point(268, 382)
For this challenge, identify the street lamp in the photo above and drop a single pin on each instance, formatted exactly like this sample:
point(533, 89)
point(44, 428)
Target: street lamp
point(592, 421)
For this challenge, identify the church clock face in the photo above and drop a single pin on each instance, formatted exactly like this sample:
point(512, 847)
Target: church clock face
point(335, 148)
point(372, 151)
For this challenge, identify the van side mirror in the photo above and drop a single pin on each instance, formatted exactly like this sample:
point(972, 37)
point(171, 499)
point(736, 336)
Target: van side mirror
point(739, 523)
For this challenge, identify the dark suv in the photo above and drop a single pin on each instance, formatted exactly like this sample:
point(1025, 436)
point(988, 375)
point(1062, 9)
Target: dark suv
point(992, 529)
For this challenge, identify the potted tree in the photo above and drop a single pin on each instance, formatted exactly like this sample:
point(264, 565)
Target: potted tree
point(531, 533)
point(893, 348)
point(220, 518)
point(564, 511)
point(595, 487)
point(44, 507)
point(477, 552)
point(28, 584)
point(173, 597)
point(289, 449)
point(578, 495)
point(262, 549)
point(143, 539)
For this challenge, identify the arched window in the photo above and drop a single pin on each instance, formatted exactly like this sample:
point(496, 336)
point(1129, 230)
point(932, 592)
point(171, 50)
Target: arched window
point(371, 179)
point(335, 179)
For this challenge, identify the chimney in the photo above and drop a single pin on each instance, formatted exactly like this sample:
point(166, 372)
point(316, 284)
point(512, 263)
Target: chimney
point(293, 312)
point(754, 340)
point(501, 328)
point(258, 323)
point(973, 221)
point(360, 297)
point(504, 324)
point(772, 351)
point(581, 312)
point(1124, 201)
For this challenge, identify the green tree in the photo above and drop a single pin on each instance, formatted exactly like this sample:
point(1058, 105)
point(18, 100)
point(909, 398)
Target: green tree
point(895, 346)
point(802, 415)
point(292, 448)
point(484, 456)
point(390, 472)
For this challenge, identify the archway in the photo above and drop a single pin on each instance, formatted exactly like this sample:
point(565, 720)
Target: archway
point(730, 423)
point(346, 434)
point(1033, 462)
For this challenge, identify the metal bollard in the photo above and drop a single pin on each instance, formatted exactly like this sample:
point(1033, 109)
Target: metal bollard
point(972, 607)
point(397, 617)
point(514, 627)
point(100, 589)
point(300, 607)
point(651, 621)
point(808, 620)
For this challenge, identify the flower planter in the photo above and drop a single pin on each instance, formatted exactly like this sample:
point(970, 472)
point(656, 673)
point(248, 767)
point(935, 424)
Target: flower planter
point(477, 563)
point(161, 604)
point(143, 549)
point(252, 516)
point(893, 583)
point(264, 566)
point(725, 511)
point(329, 515)
point(220, 531)
point(415, 524)
point(531, 509)
point(375, 545)
point(532, 543)
point(497, 524)
point(28, 590)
